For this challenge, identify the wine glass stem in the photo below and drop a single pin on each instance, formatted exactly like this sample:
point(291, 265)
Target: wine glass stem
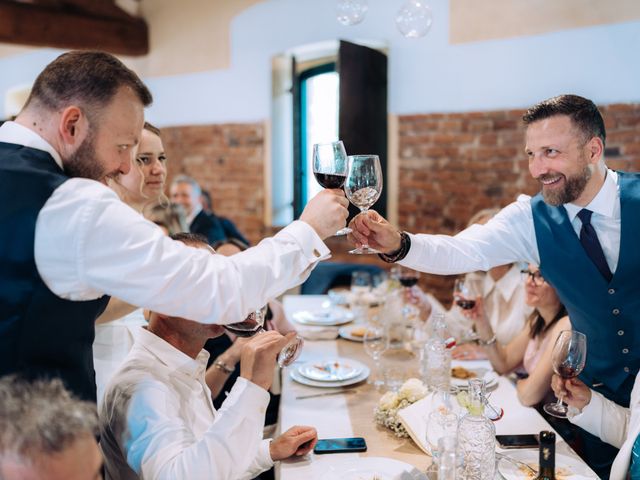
point(363, 211)
point(559, 402)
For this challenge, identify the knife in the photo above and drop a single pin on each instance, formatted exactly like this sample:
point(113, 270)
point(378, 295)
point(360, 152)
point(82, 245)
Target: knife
point(336, 392)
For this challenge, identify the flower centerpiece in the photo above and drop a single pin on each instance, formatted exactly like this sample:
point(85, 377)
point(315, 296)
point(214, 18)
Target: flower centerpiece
point(385, 413)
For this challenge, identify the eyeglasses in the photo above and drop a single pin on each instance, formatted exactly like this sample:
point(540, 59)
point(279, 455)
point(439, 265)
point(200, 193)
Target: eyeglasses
point(536, 277)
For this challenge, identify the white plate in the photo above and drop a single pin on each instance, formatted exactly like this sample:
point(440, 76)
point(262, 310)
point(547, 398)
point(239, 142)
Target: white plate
point(345, 332)
point(346, 298)
point(368, 468)
point(490, 377)
point(324, 316)
point(330, 370)
point(298, 377)
point(569, 468)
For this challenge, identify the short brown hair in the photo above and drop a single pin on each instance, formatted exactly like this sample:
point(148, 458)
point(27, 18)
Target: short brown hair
point(90, 78)
point(152, 128)
point(583, 113)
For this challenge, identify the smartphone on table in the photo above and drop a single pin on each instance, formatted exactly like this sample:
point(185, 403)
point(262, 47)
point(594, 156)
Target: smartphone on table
point(518, 441)
point(340, 445)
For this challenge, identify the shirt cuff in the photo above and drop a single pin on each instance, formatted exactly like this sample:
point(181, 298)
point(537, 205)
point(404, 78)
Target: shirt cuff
point(413, 256)
point(590, 417)
point(306, 237)
point(264, 460)
point(253, 398)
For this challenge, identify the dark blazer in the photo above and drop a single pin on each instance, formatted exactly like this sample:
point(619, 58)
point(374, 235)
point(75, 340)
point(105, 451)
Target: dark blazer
point(216, 229)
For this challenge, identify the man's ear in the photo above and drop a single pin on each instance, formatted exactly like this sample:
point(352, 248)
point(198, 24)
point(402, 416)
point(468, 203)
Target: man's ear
point(74, 126)
point(595, 148)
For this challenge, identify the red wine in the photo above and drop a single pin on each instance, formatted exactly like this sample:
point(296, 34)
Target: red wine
point(330, 180)
point(465, 304)
point(567, 371)
point(247, 328)
point(408, 281)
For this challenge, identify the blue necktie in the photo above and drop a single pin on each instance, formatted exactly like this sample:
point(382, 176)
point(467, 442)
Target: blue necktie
point(634, 464)
point(591, 245)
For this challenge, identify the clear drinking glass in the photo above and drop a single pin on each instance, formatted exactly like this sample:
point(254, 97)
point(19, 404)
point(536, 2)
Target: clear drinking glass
point(375, 344)
point(330, 168)
point(363, 187)
point(440, 424)
point(254, 323)
point(568, 358)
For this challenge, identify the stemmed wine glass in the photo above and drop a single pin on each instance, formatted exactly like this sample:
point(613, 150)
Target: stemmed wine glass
point(375, 343)
point(330, 168)
point(465, 291)
point(363, 186)
point(254, 323)
point(568, 359)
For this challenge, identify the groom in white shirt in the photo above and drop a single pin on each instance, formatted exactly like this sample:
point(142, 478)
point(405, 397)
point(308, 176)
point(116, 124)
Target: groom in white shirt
point(157, 420)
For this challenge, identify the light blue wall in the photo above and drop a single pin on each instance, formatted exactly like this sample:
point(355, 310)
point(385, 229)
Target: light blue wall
point(425, 75)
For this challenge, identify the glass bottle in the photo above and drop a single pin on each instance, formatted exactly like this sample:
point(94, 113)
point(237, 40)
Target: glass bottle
point(476, 437)
point(547, 456)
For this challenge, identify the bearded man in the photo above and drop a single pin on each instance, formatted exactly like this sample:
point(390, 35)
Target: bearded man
point(572, 230)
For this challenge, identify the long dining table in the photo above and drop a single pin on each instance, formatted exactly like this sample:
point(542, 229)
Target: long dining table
point(350, 414)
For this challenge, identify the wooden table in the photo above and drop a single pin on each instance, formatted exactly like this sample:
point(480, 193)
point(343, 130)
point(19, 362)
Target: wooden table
point(352, 415)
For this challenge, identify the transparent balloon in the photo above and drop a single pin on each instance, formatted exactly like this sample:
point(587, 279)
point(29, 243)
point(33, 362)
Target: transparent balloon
point(414, 19)
point(351, 12)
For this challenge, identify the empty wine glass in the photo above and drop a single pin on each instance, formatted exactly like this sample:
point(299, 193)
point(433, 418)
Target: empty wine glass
point(375, 344)
point(254, 323)
point(363, 187)
point(568, 358)
point(330, 168)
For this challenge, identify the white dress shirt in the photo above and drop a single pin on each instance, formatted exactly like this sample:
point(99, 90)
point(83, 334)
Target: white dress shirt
point(158, 422)
point(504, 304)
point(510, 236)
point(89, 243)
point(616, 425)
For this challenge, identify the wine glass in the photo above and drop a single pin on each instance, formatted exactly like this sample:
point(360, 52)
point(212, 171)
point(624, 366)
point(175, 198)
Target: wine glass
point(375, 344)
point(465, 291)
point(363, 187)
point(254, 323)
point(568, 358)
point(330, 168)
point(440, 424)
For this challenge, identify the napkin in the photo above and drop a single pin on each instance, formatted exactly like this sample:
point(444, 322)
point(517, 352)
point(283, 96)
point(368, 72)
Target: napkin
point(312, 332)
point(414, 420)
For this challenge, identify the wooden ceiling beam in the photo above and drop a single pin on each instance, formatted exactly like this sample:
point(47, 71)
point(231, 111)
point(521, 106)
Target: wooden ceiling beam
point(42, 26)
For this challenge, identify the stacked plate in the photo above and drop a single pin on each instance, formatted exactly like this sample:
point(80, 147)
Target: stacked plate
point(325, 317)
point(490, 377)
point(333, 372)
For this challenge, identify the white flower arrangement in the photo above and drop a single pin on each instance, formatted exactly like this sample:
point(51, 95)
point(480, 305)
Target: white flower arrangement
point(385, 413)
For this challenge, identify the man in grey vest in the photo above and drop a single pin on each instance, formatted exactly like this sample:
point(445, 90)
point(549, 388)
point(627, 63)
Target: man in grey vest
point(572, 229)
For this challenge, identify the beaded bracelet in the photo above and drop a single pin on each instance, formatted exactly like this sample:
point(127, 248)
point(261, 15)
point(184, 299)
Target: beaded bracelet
point(399, 254)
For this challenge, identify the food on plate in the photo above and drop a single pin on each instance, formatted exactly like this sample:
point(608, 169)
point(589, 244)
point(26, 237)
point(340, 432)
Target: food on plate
point(358, 332)
point(462, 373)
point(561, 473)
point(328, 367)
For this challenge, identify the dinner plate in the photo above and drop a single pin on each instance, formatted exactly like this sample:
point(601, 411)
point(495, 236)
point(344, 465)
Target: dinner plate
point(323, 317)
point(346, 332)
point(567, 468)
point(295, 374)
point(331, 370)
point(368, 468)
point(346, 298)
point(489, 376)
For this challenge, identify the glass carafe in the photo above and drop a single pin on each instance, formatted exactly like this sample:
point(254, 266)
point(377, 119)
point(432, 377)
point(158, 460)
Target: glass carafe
point(476, 437)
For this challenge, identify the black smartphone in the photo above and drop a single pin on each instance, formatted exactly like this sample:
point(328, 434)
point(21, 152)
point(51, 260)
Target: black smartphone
point(340, 445)
point(518, 441)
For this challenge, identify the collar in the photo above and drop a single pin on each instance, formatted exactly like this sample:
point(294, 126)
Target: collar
point(507, 285)
point(194, 213)
point(12, 132)
point(604, 203)
point(171, 357)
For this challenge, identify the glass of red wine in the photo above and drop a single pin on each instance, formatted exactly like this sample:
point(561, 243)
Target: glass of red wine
point(254, 323)
point(465, 291)
point(330, 168)
point(363, 187)
point(568, 358)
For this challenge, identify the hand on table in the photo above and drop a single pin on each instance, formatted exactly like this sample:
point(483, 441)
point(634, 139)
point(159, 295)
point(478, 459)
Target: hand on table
point(326, 212)
point(298, 440)
point(573, 391)
point(468, 351)
point(258, 357)
point(372, 229)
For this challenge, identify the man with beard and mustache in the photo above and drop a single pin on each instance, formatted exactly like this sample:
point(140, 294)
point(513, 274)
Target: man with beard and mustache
point(66, 239)
point(572, 230)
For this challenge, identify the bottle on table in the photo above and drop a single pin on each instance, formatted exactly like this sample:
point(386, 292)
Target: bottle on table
point(547, 456)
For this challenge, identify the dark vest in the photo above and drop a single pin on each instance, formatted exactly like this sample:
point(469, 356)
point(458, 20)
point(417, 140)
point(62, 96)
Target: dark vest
point(607, 312)
point(41, 335)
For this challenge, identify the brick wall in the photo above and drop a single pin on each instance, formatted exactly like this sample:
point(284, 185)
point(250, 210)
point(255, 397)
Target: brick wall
point(450, 166)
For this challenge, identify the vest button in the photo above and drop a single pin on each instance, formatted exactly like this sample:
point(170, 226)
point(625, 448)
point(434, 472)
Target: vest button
point(626, 369)
point(615, 311)
point(625, 350)
point(611, 291)
point(620, 332)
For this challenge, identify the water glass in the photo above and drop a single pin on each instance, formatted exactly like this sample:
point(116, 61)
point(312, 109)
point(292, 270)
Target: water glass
point(448, 457)
point(375, 344)
point(393, 376)
point(360, 282)
point(436, 365)
point(440, 424)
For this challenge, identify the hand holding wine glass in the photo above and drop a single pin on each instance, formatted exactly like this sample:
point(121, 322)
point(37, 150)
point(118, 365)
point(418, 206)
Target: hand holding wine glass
point(254, 323)
point(573, 391)
point(363, 187)
point(330, 168)
point(568, 360)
